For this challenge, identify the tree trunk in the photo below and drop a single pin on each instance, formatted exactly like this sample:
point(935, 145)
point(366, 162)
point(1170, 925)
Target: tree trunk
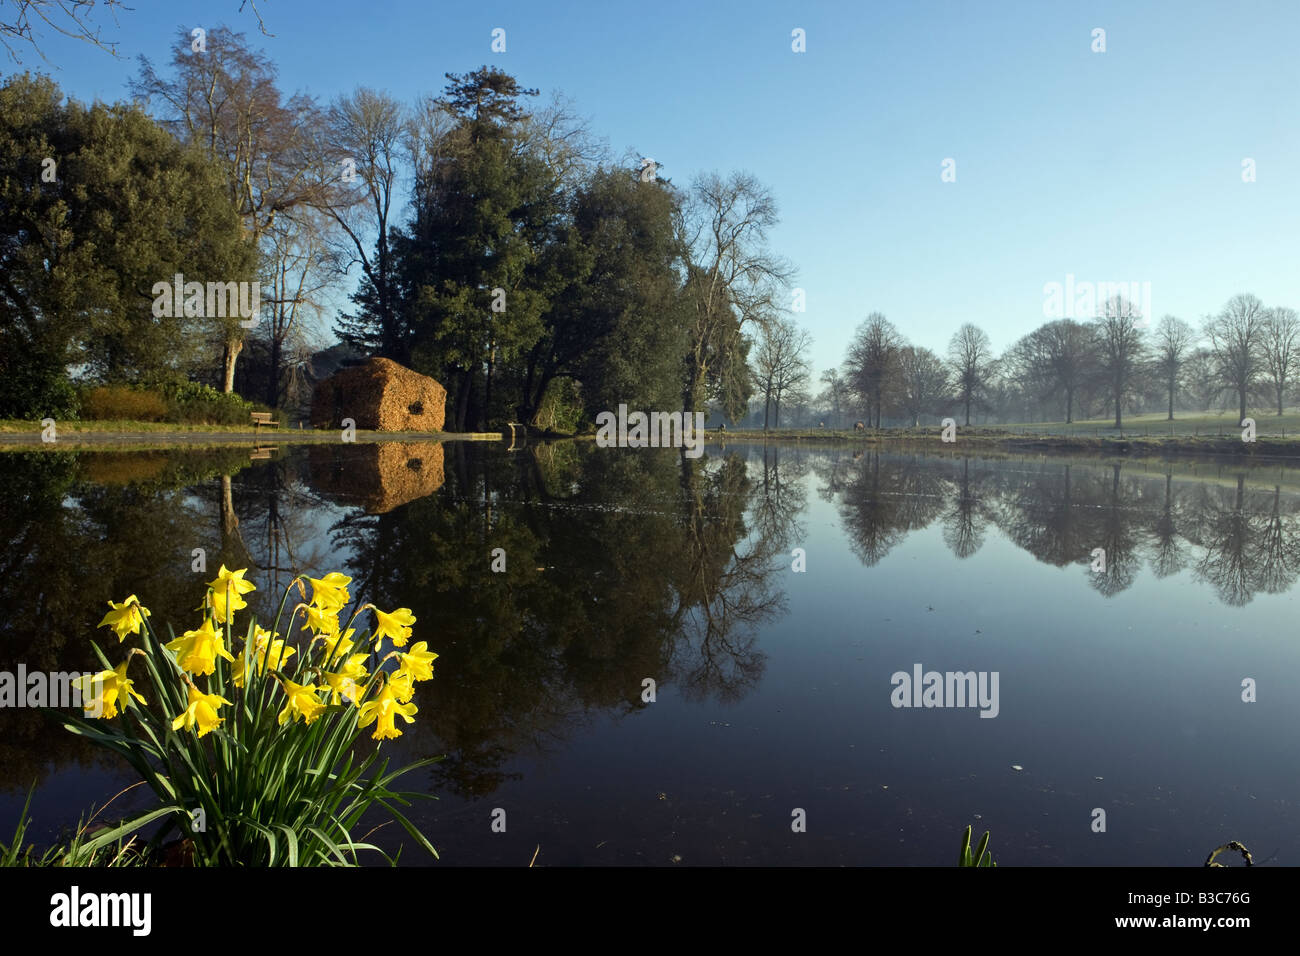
point(273, 385)
point(232, 542)
point(231, 355)
point(534, 396)
point(476, 410)
point(689, 392)
point(462, 398)
point(229, 520)
point(487, 395)
point(1241, 394)
point(1172, 387)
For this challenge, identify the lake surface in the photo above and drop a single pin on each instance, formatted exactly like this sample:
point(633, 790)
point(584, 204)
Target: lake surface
point(1117, 690)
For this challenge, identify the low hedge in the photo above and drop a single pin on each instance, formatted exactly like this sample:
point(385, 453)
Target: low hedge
point(193, 404)
point(122, 403)
point(182, 403)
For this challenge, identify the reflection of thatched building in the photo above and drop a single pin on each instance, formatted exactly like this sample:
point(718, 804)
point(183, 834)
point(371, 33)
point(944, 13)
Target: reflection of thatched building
point(378, 477)
point(380, 395)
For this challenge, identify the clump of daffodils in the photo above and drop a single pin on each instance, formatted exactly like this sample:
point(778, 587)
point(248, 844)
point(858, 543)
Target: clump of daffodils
point(320, 668)
point(257, 726)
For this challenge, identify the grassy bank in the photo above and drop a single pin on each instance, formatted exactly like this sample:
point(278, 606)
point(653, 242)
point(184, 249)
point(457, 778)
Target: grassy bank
point(1209, 439)
point(14, 426)
point(1205, 436)
point(1185, 425)
point(129, 435)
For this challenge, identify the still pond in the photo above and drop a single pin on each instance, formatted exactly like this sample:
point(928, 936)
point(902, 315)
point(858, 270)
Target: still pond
point(771, 595)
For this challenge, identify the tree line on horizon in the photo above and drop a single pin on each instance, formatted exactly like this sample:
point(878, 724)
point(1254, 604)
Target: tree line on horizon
point(1246, 356)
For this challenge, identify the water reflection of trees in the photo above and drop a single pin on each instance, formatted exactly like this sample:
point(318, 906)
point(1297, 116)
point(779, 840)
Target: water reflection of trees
point(79, 528)
point(1250, 540)
point(724, 587)
point(882, 499)
point(620, 565)
point(966, 519)
point(1169, 550)
point(1238, 540)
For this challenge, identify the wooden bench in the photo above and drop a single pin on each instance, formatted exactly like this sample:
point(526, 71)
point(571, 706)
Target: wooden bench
point(263, 418)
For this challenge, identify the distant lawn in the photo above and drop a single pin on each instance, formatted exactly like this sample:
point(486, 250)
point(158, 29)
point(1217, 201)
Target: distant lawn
point(1156, 424)
point(1184, 424)
point(1213, 434)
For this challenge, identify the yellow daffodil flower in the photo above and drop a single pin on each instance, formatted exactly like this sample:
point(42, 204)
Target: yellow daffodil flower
point(417, 663)
point(330, 593)
point(337, 645)
point(302, 702)
point(125, 618)
point(348, 680)
point(384, 710)
point(400, 686)
point(202, 712)
point(257, 655)
point(321, 621)
point(226, 592)
point(111, 686)
point(197, 651)
point(395, 625)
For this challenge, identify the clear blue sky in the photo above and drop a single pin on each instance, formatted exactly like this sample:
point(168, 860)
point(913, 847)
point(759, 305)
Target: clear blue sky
point(1116, 166)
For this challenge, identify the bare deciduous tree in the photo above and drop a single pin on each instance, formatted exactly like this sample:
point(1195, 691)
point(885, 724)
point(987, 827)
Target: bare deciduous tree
point(732, 278)
point(780, 363)
point(1201, 379)
point(22, 22)
point(1174, 341)
point(923, 382)
point(1281, 345)
point(1236, 337)
point(872, 364)
point(302, 271)
point(563, 140)
point(1121, 349)
point(970, 355)
point(365, 136)
point(834, 395)
point(1055, 360)
point(228, 104)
